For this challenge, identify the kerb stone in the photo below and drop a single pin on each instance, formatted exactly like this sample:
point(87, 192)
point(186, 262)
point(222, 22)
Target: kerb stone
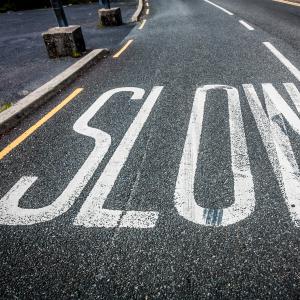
point(64, 41)
point(110, 17)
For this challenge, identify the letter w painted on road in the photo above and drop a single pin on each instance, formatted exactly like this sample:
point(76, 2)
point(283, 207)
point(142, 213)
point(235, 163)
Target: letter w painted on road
point(92, 213)
point(275, 138)
point(277, 143)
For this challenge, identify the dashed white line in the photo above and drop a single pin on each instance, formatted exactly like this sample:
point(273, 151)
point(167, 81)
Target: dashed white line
point(223, 9)
point(147, 11)
point(249, 27)
point(284, 60)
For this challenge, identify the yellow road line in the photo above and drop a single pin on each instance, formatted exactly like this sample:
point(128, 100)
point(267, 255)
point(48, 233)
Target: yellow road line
point(122, 49)
point(37, 125)
point(143, 24)
point(287, 2)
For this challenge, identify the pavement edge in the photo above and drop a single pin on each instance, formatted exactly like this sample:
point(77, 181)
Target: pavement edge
point(138, 11)
point(23, 107)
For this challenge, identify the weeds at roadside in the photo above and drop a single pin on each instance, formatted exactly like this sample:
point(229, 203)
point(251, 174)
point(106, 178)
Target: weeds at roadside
point(5, 106)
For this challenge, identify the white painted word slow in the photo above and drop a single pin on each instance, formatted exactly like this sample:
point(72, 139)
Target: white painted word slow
point(270, 124)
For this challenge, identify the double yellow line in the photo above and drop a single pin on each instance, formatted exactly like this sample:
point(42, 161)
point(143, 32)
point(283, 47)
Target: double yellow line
point(288, 2)
point(123, 49)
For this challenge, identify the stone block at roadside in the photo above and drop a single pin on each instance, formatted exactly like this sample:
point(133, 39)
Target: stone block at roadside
point(110, 17)
point(64, 41)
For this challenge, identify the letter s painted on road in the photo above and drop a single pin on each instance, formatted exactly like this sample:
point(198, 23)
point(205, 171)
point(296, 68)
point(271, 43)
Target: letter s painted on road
point(12, 214)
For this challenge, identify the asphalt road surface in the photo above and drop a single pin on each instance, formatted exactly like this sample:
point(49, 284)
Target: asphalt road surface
point(173, 174)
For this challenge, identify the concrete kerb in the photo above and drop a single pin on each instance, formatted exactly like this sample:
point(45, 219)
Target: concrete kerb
point(14, 115)
point(138, 11)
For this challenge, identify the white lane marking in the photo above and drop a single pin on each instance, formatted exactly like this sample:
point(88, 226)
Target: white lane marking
point(92, 213)
point(243, 183)
point(283, 59)
point(223, 9)
point(249, 27)
point(12, 214)
point(277, 143)
point(147, 11)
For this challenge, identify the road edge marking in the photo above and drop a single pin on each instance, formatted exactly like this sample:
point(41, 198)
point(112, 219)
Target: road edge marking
point(218, 6)
point(142, 25)
point(123, 49)
point(38, 124)
point(283, 60)
point(245, 24)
